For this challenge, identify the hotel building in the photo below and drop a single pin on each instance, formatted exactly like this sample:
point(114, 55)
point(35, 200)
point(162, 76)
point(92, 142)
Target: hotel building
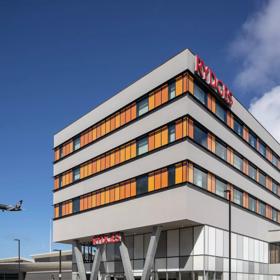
point(142, 182)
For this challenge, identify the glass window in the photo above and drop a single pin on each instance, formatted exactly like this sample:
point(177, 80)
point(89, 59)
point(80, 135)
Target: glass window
point(221, 112)
point(220, 188)
point(262, 179)
point(238, 127)
point(200, 136)
point(171, 133)
point(171, 176)
point(274, 187)
point(274, 160)
point(252, 172)
point(76, 174)
point(274, 215)
point(252, 139)
point(221, 150)
point(238, 197)
point(142, 184)
point(252, 204)
point(60, 181)
point(171, 90)
point(60, 210)
point(142, 107)
point(142, 146)
point(61, 152)
point(200, 94)
point(262, 148)
point(76, 205)
point(77, 143)
point(199, 178)
point(261, 208)
point(237, 162)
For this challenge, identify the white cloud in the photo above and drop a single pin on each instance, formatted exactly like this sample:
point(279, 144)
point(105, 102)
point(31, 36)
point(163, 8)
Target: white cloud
point(258, 49)
point(267, 110)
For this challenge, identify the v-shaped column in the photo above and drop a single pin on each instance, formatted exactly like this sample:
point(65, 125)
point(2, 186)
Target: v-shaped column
point(151, 252)
point(79, 260)
point(96, 262)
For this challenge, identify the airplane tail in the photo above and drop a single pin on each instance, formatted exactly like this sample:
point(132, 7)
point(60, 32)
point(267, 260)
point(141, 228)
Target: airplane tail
point(18, 205)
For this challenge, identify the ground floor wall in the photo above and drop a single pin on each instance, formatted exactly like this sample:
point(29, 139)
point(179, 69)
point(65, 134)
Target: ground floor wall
point(198, 252)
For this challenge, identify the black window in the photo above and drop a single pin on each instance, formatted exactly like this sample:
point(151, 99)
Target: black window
point(274, 215)
point(76, 205)
point(274, 160)
point(274, 187)
point(60, 210)
point(238, 197)
point(221, 112)
point(60, 181)
point(76, 174)
point(262, 148)
point(200, 136)
point(221, 188)
point(171, 90)
point(77, 143)
point(252, 204)
point(237, 162)
point(61, 152)
point(200, 94)
point(238, 127)
point(142, 107)
point(142, 146)
point(261, 208)
point(252, 139)
point(262, 179)
point(171, 176)
point(142, 184)
point(252, 172)
point(171, 133)
point(199, 178)
point(221, 150)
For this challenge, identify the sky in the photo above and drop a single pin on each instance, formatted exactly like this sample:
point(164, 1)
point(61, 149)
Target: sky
point(61, 58)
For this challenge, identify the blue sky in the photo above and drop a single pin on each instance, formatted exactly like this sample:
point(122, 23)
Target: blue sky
point(59, 59)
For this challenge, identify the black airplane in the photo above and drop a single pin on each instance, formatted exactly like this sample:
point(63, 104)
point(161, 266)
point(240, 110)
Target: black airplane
point(16, 207)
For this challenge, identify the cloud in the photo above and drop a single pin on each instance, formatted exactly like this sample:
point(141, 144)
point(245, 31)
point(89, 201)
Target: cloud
point(267, 110)
point(257, 47)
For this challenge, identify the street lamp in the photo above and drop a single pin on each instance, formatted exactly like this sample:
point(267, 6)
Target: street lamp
point(228, 191)
point(18, 241)
point(59, 274)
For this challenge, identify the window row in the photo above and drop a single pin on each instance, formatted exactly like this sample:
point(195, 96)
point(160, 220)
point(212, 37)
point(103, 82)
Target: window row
point(225, 115)
point(158, 97)
point(183, 172)
point(153, 140)
point(206, 139)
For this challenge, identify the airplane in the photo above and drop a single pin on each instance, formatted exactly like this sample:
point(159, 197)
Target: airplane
point(16, 207)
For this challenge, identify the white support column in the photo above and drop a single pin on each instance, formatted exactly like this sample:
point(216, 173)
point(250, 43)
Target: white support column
point(151, 252)
point(126, 261)
point(96, 262)
point(79, 260)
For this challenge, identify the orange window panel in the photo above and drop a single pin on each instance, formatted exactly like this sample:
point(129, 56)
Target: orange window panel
point(158, 139)
point(245, 200)
point(90, 168)
point(122, 191)
point(179, 86)
point(230, 121)
point(89, 202)
point(127, 152)
point(209, 101)
point(113, 123)
point(151, 101)
point(82, 203)
point(157, 98)
point(245, 166)
point(98, 131)
point(190, 128)
point(98, 165)
point(245, 134)
point(127, 189)
point(268, 182)
point(117, 193)
point(133, 111)
point(157, 180)
point(93, 133)
point(179, 129)
point(151, 182)
point(164, 94)
point(122, 154)
point(229, 156)
point(151, 141)
point(112, 158)
point(102, 197)
point(190, 172)
point(185, 127)
point(122, 117)
point(56, 183)
point(56, 154)
point(117, 156)
point(211, 183)
point(133, 150)
point(112, 195)
point(164, 178)
point(93, 166)
point(98, 199)
point(190, 84)
point(268, 153)
point(103, 129)
point(107, 126)
point(178, 173)
point(90, 139)
point(82, 140)
point(56, 211)
point(107, 160)
point(118, 120)
point(268, 212)
point(107, 196)
point(102, 163)
point(85, 203)
point(86, 138)
point(185, 171)
point(133, 187)
point(127, 115)
point(164, 136)
point(93, 200)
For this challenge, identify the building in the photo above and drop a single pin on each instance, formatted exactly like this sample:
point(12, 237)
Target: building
point(44, 266)
point(143, 180)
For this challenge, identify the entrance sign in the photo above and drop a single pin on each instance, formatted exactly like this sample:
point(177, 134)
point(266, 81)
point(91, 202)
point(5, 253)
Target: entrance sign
point(106, 239)
point(211, 79)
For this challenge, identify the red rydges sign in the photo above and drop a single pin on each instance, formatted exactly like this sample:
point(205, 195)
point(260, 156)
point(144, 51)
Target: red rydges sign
point(210, 78)
point(107, 238)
